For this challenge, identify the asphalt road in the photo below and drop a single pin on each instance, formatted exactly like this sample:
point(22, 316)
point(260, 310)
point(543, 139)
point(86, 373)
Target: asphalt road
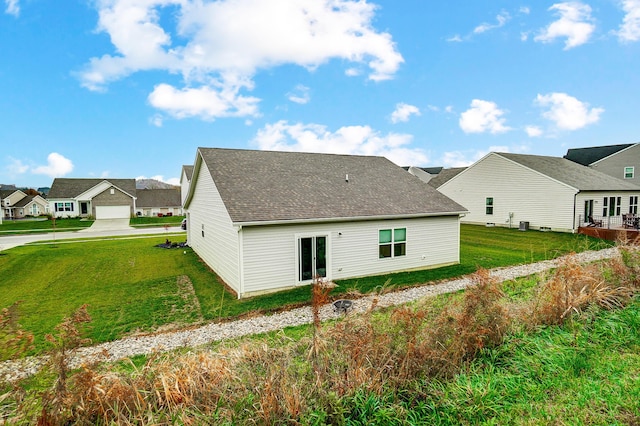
point(100, 228)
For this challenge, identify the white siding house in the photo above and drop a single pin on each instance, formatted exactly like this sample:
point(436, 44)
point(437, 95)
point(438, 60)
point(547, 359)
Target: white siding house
point(550, 193)
point(266, 221)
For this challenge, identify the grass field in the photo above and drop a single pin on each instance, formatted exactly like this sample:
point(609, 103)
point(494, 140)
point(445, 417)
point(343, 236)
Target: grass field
point(21, 226)
point(131, 285)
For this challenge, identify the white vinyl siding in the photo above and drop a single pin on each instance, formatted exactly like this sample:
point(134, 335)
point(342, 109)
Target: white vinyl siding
point(598, 207)
point(269, 252)
point(219, 245)
point(528, 195)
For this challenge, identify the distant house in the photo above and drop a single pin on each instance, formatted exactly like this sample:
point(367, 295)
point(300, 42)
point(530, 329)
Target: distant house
point(30, 206)
point(185, 181)
point(98, 198)
point(8, 200)
point(620, 161)
point(445, 175)
point(266, 220)
point(154, 202)
point(548, 193)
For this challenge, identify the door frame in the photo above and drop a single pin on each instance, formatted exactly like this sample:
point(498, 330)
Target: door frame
point(298, 238)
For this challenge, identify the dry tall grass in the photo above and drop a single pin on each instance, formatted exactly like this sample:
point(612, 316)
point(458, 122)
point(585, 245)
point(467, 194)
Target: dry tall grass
point(278, 383)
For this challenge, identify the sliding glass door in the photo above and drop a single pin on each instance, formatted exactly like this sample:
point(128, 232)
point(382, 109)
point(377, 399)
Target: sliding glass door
point(312, 257)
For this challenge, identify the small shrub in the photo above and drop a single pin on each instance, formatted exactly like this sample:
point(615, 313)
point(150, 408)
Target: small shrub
point(14, 341)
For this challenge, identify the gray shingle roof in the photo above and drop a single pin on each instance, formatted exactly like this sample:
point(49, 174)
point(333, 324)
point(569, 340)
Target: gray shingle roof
point(573, 174)
point(188, 171)
point(258, 186)
point(590, 155)
point(444, 176)
point(158, 198)
point(72, 187)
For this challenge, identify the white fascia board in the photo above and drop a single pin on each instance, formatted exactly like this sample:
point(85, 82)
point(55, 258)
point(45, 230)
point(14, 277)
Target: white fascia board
point(348, 219)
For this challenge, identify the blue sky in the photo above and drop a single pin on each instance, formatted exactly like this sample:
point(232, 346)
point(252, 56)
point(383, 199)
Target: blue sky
point(130, 88)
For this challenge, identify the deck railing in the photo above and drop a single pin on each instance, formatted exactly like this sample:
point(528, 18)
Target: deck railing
point(610, 222)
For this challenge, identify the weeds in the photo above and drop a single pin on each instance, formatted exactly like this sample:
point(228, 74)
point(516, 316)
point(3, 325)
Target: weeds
point(358, 369)
point(14, 342)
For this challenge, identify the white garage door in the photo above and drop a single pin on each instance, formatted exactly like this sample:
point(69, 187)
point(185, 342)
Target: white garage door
point(112, 212)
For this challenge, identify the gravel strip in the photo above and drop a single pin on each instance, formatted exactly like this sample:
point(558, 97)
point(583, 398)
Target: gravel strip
point(130, 346)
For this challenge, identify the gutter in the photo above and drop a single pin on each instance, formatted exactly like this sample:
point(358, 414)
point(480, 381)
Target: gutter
point(346, 219)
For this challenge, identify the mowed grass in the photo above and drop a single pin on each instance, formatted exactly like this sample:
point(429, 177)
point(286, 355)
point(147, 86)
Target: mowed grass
point(9, 227)
point(130, 285)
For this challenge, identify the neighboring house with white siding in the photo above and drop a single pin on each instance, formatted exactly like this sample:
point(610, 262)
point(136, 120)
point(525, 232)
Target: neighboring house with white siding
point(98, 198)
point(266, 221)
point(550, 193)
point(620, 161)
point(155, 202)
point(185, 181)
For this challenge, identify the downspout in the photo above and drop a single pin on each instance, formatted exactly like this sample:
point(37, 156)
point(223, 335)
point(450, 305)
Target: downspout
point(575, 197)
point(240, 261)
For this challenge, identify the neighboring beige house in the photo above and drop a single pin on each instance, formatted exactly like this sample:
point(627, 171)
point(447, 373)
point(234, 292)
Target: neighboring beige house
point(266, 221)
point(621, 161)
point(539, 192)
point(154, 202)
point(30, 206)
point(98, 198)
point(8, 200)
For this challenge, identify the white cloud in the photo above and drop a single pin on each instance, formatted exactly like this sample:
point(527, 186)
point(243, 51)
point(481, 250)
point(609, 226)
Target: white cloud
point(357, 140)
point(16, 167)
point(455, 39)
point(13, 7)
point(501, 19)
point(483, 116)
point(567, 112)
point(630, 28)
point(220, 43)
point(299, 95)
point(525, 10)
point(57, 166)
point(204, 102)
point(403, 112)
point(574, 24)
point(533, 131)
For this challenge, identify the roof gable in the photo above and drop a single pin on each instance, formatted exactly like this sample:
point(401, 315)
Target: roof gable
point(74, 187)
point(266, 186)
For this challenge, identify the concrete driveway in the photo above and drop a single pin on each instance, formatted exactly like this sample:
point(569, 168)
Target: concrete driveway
point(100, 225)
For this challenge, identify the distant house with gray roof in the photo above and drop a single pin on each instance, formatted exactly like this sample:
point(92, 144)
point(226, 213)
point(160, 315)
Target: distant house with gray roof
point(98, 198)
point(547, 193)
point(154, 202)
point(620, 161)
point(266, 220)
point(185, 181)
point(30, 205)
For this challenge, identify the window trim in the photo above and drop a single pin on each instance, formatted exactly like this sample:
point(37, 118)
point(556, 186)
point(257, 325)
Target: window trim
point(488, 206)
point(631, 172)
point(633, 204)
point(395, 246)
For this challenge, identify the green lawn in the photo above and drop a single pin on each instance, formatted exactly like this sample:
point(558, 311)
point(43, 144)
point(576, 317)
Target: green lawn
point(20, 226)
point(130, 285)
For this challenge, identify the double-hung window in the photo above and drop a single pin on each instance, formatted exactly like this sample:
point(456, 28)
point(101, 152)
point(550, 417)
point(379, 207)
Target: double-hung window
point(629, 172)
point(633, 204)
point(392, 242)
point(488, 203)
point(64, 207)
point(611, 206)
